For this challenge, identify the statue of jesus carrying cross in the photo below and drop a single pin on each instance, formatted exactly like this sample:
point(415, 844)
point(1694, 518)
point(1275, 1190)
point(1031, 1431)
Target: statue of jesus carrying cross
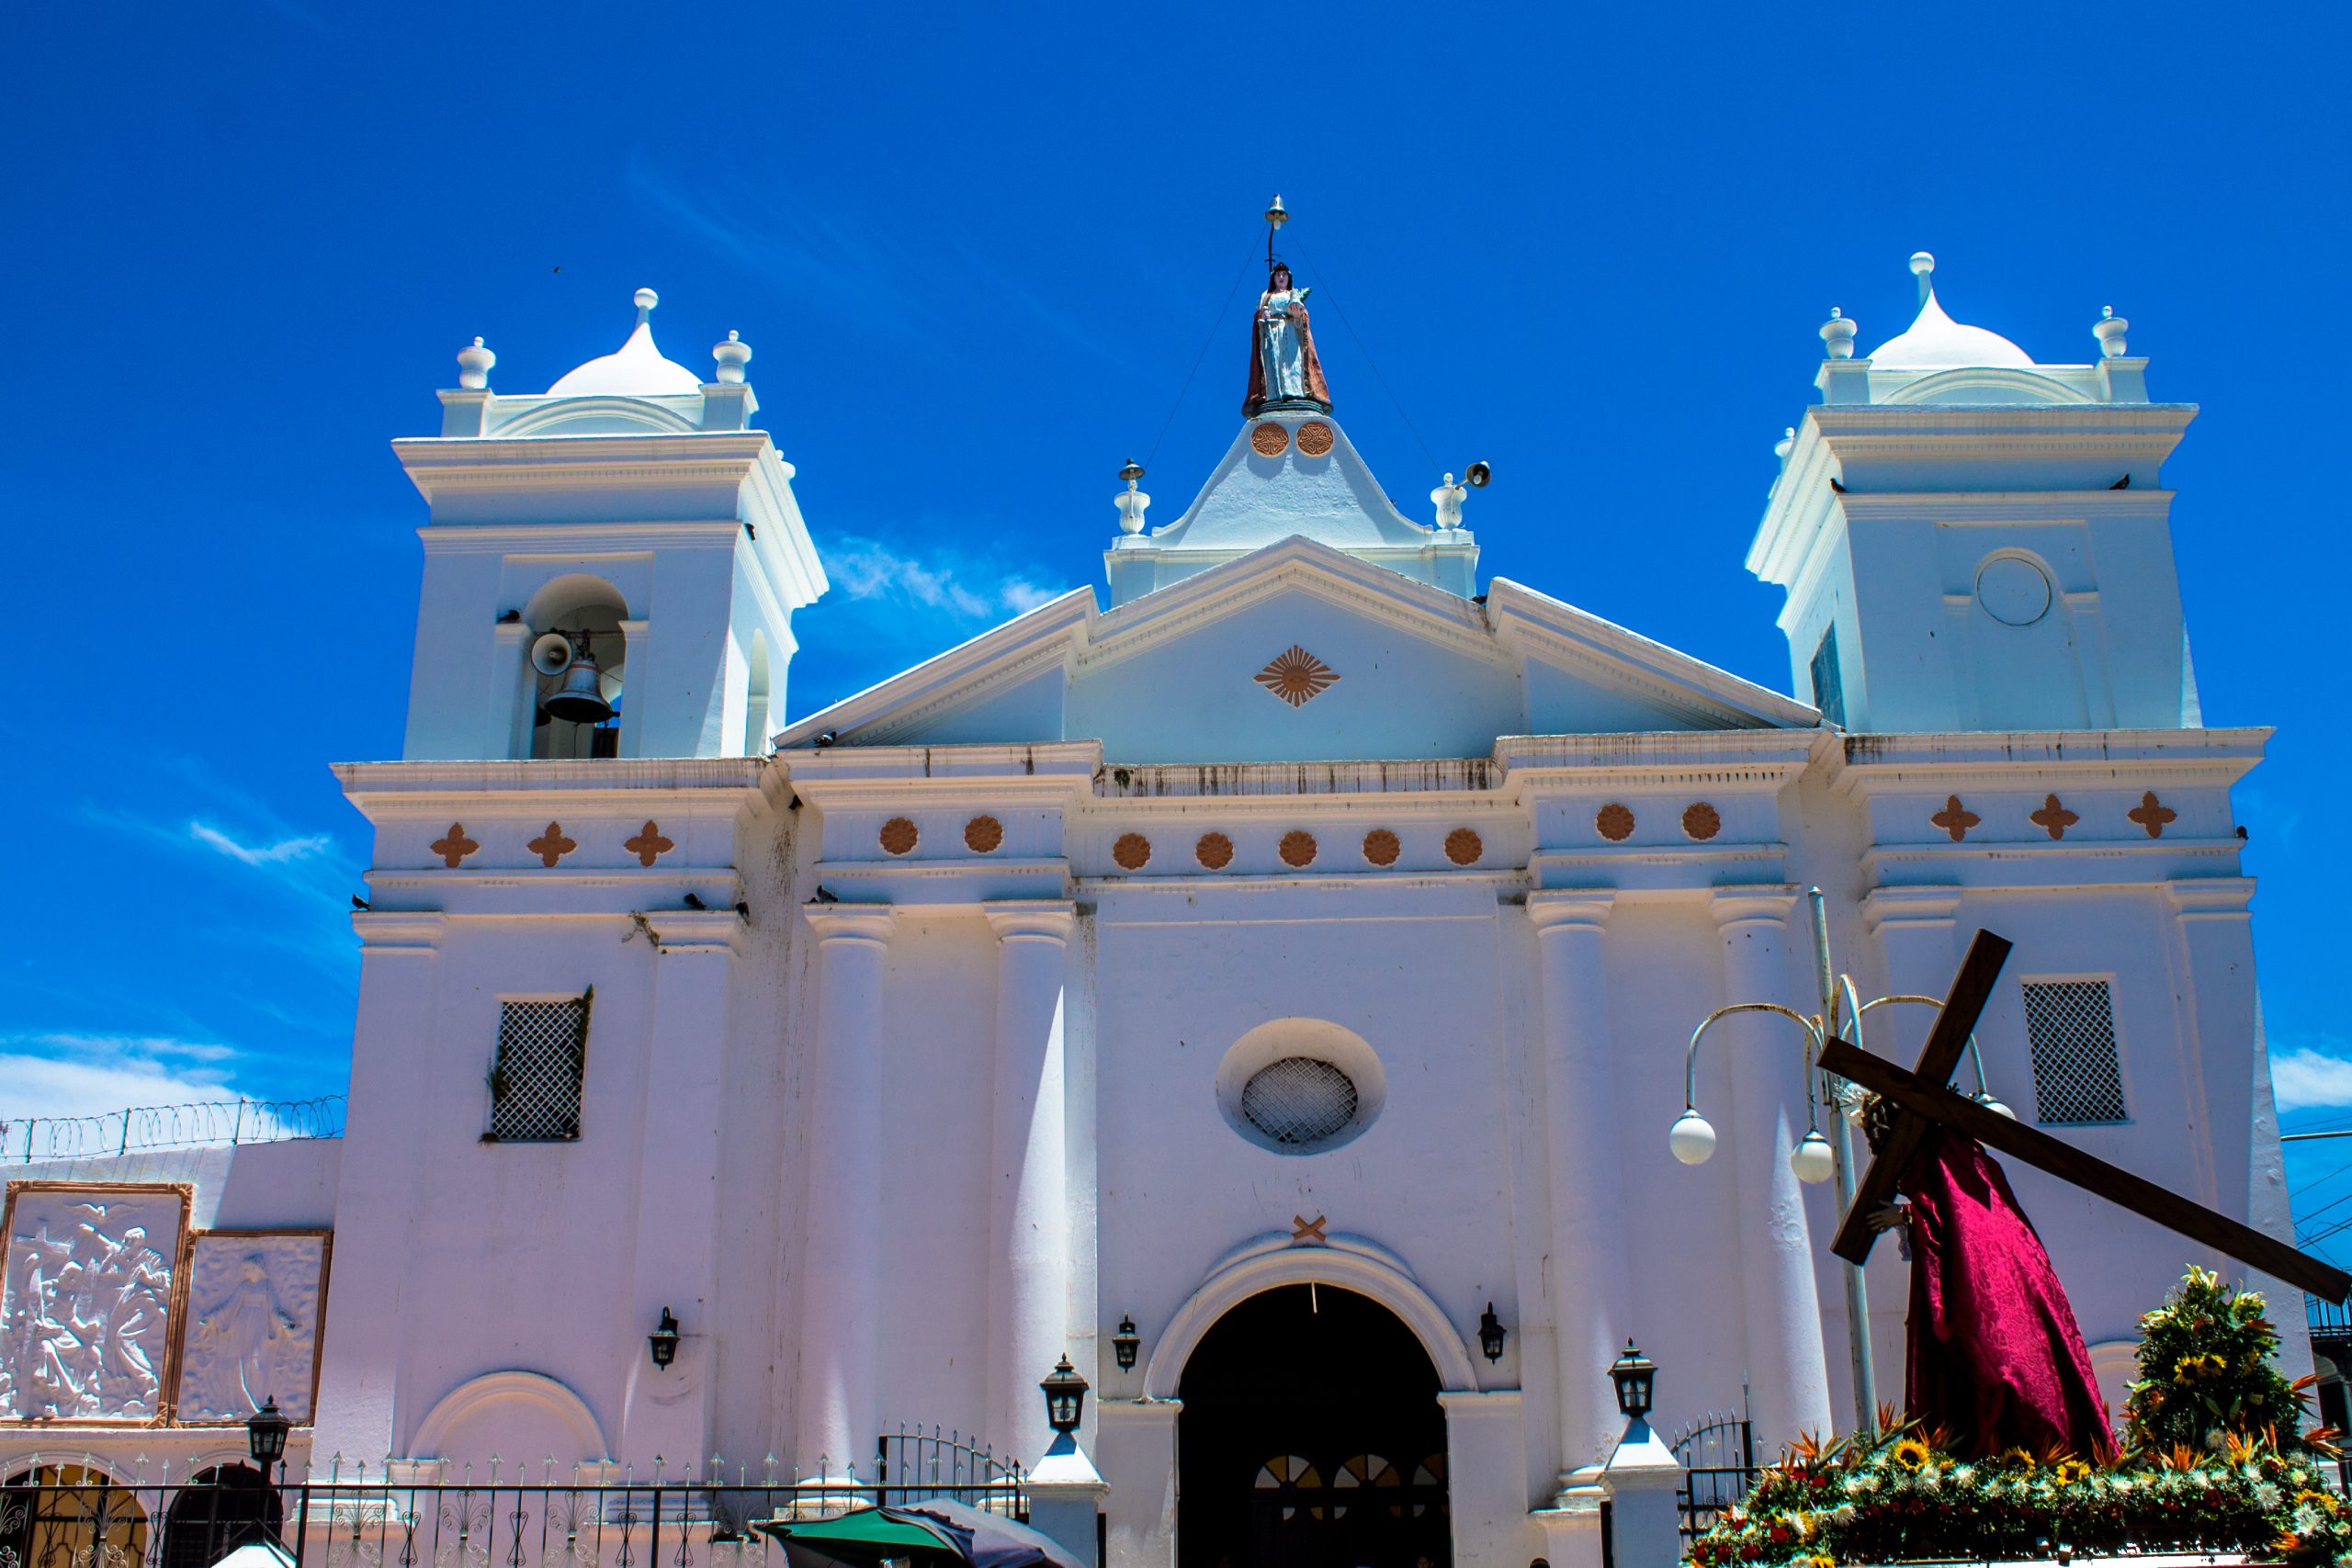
point(1994, 1354)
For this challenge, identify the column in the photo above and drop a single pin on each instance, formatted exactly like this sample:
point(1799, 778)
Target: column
point(1788, 1372)
point(839, 1267)
point(683, 1101)
point(1591, 1312)
point(1028, 1198)
point(388, 1116)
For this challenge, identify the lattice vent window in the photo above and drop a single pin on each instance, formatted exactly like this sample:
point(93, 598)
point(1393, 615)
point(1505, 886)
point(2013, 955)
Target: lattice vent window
point(2077, 1075)
point(534, 1077)
point(1299, 1101)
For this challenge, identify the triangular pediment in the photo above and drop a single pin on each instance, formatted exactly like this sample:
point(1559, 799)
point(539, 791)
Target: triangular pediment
point(1298, 651)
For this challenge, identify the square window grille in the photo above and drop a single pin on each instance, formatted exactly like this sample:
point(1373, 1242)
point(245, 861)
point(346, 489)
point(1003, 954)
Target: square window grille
point(2077, 1075)
point(535, 1078)
point(1829, 689)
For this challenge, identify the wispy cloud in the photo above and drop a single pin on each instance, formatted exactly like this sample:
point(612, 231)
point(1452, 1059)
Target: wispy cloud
point(2305, 1079)
point(89, 1075)
point(964, 591)
point(276, 853)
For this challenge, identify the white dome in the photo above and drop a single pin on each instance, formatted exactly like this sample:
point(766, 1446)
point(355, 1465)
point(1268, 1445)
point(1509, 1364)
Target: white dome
point(636, 370)
point(1934, 341)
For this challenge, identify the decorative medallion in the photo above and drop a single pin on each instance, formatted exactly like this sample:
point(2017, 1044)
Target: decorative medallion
point(1268, 439)
point(1955, 818)
point(1701, 821)
point(1308, 1233)
point(1314, 438)
point(2054, 818)
point(1133, 851)
point(1463, 846)
point(983, 834)
point(551, 846)
point(1296, 676)
point(1381, 847)
point(1214, 851)
point(454, 846)
point(2152, 814)
point(648, 845)
point(1298, 848)
point(898, 836)
point(1615, 822)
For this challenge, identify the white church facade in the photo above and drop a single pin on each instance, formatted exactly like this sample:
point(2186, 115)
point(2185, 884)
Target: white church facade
point(1260, 983)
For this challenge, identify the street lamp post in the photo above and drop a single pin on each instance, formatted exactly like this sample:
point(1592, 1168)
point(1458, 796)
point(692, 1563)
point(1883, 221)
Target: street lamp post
point(1817, 1158)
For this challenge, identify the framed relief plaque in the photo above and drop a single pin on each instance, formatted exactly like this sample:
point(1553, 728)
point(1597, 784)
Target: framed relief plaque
point(257, 1300)
point(86, 1307)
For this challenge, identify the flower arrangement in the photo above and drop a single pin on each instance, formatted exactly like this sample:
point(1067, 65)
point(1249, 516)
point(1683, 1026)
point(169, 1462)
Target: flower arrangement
point(1897, 1494)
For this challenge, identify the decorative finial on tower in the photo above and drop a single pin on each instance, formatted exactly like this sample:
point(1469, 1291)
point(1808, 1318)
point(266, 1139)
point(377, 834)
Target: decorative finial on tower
point(1448, 498)
point(732, 355)
point(1786, 442)
point(1837, 334)
point(473, 365)
point(1923, 267)
point(2110, 329)
point(1131, 501)
point(645, 300)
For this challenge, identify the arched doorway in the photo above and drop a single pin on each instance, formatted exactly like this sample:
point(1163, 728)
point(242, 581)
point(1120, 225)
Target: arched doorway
point(1311, 1437)
point(218, 1510)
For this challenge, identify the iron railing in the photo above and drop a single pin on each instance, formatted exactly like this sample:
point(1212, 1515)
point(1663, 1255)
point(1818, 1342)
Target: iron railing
point(1718, 1455)
point(140, 1127)
point(72, 1512)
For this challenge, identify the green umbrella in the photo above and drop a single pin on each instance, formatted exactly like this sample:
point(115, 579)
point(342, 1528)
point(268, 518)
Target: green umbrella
point(865, 1536)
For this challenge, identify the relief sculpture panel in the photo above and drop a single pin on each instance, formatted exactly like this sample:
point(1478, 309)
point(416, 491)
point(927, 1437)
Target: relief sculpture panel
point(85, 1308)
point(254, 1305)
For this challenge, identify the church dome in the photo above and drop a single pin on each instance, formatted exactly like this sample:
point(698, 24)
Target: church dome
point(636, 369)
point(1934, 341)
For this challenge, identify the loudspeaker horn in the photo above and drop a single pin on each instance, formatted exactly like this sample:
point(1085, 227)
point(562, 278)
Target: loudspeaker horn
point(551, 654)
point(1479, 475)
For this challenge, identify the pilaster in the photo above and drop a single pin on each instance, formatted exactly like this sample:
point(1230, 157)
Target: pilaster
point(835, 1424)
point(1029, 1251)
point(1788, 1371)
point(2214, 938)
point(1589, 1306)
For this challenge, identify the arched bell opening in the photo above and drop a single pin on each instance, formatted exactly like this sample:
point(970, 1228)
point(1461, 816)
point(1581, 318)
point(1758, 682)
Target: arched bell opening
point(1310, 1435)
point(576, 672)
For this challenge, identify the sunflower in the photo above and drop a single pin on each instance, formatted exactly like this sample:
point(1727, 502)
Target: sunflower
point(2017, 1457)
point(2071, 1471)
point(1912, 1455)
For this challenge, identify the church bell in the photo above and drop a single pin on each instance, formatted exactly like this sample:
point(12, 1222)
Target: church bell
point(580, 699)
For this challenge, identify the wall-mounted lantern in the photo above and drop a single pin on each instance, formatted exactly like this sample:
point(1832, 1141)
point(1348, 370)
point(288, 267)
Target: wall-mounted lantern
point(663, 1340)
point(1491, 1334)
point(1125, 1343)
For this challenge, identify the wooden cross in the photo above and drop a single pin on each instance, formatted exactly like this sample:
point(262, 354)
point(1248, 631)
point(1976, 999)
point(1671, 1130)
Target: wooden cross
point(1926, 1101)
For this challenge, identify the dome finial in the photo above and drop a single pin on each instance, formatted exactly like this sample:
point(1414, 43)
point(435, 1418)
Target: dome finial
point(645, 300)
point(1923, 267)
point(732, 355)
point(2110, 329)
point(1837, 334)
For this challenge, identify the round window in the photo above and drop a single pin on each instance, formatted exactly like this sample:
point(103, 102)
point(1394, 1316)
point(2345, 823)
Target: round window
point(1299, 1101)
point(2013, 590)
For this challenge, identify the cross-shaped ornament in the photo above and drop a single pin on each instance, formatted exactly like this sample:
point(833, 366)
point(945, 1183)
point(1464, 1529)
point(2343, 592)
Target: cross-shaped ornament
point(1925, 1102)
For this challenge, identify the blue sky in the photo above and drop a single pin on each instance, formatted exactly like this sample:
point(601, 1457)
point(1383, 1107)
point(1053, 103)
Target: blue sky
point(977, 252)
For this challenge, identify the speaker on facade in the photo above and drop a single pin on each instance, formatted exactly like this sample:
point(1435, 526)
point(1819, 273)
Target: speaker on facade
point(551, 655)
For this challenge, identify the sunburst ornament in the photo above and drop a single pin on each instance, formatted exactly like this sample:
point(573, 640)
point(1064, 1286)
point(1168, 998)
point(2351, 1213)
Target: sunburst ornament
point(1296, 676)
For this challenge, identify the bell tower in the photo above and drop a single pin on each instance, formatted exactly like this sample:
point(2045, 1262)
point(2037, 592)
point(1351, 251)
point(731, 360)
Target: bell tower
point(610, 567)
point(1972, 540)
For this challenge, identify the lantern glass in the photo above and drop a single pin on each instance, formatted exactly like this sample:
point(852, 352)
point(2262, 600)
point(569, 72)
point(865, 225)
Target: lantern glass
point(1125, 1343)
point(1491, 1334)
point(1636, 1376)
point(1065, 1393)
point(663, 1340)
point(265, 1432)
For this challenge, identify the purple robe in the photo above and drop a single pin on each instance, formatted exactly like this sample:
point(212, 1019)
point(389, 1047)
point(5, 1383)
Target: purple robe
point(1995, 1354)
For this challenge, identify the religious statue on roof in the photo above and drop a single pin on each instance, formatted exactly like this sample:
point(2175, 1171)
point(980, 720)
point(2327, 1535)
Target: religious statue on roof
point(1284, 369)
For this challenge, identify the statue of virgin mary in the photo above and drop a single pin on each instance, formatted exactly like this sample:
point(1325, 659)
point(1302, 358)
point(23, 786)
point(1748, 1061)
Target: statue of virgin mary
point(1284, 369)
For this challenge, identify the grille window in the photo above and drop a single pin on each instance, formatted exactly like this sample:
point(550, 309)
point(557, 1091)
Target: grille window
point(1828, 692)
point(2076, 1074)
point(534, 1077)
point(1299, 1101)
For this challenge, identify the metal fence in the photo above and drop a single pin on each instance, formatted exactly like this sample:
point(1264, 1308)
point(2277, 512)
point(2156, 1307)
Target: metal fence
point(1718, 1455)
point(140, 1127)
point(71, 1514)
